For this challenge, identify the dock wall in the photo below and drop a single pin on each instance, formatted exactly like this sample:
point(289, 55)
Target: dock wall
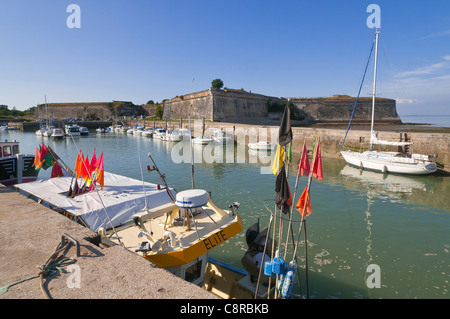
point(426, 142)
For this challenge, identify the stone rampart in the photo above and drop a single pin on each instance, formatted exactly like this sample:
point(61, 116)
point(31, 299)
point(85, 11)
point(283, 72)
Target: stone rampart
point(243, 107)
point(101, 110)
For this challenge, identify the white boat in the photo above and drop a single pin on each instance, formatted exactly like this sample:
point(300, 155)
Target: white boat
point(84, 131)
point(48, 132)
point(261, 146)
point(178, 135)
point(403, 161)
point(42, 130)
point(148, 131)
point(221, 137)
point(57, 133)
point(103, 130)
point(159, 133)
point(202, 140)
point(138, 130)
point(72, 130)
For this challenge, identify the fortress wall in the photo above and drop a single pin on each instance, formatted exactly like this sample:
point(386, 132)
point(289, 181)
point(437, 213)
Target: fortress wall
point(198, 105)
point(340, 110)
point(103, 110)
point(74, 110)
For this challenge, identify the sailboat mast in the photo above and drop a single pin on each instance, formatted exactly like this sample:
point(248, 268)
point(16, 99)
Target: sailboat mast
point(374, 88)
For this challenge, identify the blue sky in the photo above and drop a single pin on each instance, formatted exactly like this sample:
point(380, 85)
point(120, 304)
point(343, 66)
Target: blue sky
point(141, 50)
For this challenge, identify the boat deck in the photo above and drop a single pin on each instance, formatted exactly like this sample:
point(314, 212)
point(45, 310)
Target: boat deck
point(185, 244)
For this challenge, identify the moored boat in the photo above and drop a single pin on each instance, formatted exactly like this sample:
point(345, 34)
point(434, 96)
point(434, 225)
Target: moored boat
point(57, 133)
point(202, 140)
point(221, 137)
point(402, 161)
point(84, 131)
point(261, 146)
point(15, 167)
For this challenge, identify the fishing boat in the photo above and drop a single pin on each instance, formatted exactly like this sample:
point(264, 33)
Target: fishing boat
point(261, 146)
point(401, 161)
point(15, 167)
point(175, 231)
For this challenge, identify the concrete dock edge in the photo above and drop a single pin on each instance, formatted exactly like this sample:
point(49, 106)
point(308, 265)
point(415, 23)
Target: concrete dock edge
point(29, 235)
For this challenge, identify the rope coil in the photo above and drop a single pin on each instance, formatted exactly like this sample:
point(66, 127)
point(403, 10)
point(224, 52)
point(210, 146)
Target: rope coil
point(55, 264)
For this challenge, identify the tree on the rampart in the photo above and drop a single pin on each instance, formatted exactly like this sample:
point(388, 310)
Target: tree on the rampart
point(159, 111)
point(217, 83)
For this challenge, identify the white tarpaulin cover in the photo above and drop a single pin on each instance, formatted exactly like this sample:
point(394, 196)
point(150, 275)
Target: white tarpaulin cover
point(121, 197)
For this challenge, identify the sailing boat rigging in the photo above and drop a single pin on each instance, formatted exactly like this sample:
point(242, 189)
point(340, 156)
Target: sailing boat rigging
point(403, 161)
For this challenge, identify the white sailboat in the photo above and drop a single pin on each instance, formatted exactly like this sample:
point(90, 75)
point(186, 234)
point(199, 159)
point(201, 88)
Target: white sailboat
point(399, 162)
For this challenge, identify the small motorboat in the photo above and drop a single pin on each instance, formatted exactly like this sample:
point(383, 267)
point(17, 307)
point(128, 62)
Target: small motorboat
point(261, 146)
point(57, 133)
point(202, 140)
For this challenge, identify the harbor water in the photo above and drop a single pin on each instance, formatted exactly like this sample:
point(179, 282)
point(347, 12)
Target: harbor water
point(360, 220)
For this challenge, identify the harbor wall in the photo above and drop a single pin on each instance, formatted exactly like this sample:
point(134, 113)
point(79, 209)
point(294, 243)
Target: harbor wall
point(426, 142)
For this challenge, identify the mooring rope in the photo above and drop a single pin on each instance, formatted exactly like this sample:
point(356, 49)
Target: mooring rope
point(54, 264)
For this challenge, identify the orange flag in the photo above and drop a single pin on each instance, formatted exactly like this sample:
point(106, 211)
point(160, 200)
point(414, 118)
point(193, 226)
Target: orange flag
point(37, 160)
point(301, 203)
point(317, 169)
point(78, 166)
point(100, 171)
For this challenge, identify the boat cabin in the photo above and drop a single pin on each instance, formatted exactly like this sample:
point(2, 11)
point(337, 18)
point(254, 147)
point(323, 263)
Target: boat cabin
point(9, 148)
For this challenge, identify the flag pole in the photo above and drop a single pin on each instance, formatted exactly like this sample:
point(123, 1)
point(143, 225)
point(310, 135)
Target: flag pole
point(293, 200)
point(303, 221)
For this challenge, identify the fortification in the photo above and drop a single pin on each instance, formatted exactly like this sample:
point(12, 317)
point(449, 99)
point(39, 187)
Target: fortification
point(100, 110)
point(244, 107)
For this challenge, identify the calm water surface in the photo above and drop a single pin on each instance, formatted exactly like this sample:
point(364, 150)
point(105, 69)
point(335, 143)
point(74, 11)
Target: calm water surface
point(359, 218)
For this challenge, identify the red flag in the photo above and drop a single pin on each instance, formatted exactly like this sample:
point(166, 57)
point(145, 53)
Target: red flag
point(56, 171)
point(317, 169)
point(100, 171)
point(44, 151)
point(93, 163)
point(85, 167)
point(303, 162)
point(301, 203)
